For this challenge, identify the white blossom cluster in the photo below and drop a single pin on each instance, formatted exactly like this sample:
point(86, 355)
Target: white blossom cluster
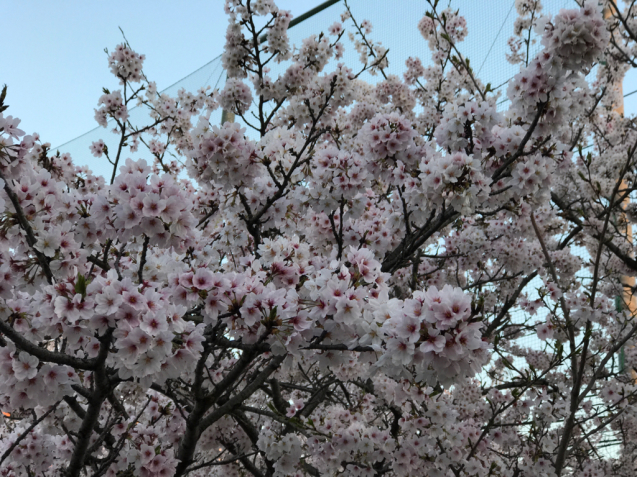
point(126, 64)
point(349, 288)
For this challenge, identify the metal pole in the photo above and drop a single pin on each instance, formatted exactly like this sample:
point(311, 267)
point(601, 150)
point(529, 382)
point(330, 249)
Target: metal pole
point(628, 282)
point(305, 16)
point(227, 116)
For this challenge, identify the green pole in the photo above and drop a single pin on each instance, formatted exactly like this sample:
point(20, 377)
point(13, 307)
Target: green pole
point(305, 16)
point(622, 356)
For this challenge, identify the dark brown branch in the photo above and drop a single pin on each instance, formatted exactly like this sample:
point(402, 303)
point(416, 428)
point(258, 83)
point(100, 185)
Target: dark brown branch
point(508, 304)
point(102, 389)
point(397, 258)
point(43, 354)
point(142, 260)
point(520, 152)
point(43, 260)
point(26, 432)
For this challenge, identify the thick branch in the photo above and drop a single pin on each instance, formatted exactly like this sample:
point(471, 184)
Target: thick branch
point(24, 223)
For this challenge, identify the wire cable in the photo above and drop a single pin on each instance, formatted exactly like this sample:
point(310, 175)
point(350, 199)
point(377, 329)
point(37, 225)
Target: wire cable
point(135, 107)
point(496, 37)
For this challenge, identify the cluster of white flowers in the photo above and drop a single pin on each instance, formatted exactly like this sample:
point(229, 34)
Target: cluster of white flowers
point(9, 126)
point(223, 154)
point(577, 37)
point(278, 35)
point(574, 39)
point(532, 174)
point(26, 384)
point(158, 207)
point(441, 323)
point(506, 140)
point(235, 96)
point(453, 26)
point(234, 54)
point(341, 173)
point(126, 64)
point(466, 122)
point(112, 105)
point(97, 148)
point(331, 293)
point(457, 178)
point(389, 137)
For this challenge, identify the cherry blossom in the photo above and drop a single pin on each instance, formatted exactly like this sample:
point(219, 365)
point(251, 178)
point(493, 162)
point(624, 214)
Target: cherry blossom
point(361, 274)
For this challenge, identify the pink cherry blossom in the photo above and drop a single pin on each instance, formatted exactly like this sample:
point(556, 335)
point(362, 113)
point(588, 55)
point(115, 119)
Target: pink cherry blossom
point(414, 274)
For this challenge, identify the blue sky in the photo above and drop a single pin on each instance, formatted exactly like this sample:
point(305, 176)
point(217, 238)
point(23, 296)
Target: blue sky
point(54, 62)
point(55, 65)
